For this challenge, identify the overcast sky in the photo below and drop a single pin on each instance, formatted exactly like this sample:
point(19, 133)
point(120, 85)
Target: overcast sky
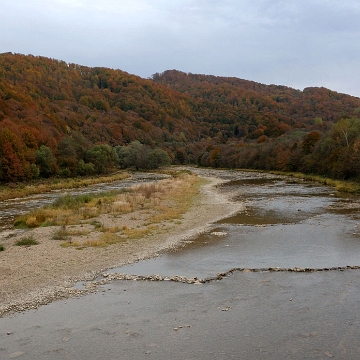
point(297, 43)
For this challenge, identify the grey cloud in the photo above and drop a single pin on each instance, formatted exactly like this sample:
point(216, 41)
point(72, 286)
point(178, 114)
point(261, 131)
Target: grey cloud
point(290, 42)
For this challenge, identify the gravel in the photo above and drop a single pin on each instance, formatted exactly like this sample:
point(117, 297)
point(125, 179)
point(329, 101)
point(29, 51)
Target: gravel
point(37, 275)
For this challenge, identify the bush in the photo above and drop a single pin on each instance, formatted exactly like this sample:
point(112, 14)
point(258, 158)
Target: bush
point(103, 157)
point(72, 202)
point(2, 247)
point(85, 168)
point(61, 234)
point(65, 173)
point(142, 156)
point(26, 241)
point(20, 223)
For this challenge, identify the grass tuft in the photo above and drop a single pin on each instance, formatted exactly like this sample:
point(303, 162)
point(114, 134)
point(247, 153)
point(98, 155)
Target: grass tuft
point(26, 241)
point(72, 202)
point(107, 238)
point(61, 234)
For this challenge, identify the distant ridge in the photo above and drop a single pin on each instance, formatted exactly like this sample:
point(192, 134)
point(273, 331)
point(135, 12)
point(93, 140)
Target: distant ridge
point(44, 101)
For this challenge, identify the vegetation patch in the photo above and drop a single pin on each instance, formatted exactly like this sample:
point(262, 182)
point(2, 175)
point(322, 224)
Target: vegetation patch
point(161, 202)
point(139, 233)
point(61, 234)
point(107, 238)
point(26, 241)
point(2, 248)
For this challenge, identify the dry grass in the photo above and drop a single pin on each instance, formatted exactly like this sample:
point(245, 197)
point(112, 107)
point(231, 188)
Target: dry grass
point(153, 203)
point(339, 185)
point(139, 233)
point(108, 238)
point(64, 234)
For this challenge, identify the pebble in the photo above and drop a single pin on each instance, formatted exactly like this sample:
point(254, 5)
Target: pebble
point(92, 287)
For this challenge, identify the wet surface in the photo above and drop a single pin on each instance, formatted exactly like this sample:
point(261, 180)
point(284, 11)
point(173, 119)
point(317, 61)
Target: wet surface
point(245, 315)
point(293, 225)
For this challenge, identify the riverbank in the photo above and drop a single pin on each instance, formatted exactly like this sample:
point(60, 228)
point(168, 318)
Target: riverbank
point(346, 186)
point(37, 275)
point(42, 186)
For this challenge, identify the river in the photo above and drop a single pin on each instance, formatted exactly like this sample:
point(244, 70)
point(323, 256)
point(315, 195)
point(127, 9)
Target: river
point(287, 289)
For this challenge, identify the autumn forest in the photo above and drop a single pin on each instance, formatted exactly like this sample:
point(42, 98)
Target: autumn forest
point(66, 120)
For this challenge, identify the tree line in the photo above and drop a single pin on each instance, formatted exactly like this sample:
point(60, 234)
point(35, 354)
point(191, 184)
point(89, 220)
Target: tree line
point(70, 162)
point(61, 119)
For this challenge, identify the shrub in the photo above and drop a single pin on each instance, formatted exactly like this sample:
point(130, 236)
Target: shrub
point(32, 222)
point(61, 234)
point(26, 241)
point(72, 202)
point(20, 223)
point(2, 248)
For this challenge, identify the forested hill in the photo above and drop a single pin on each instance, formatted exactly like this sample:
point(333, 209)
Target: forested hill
point(54, 115)
point(257, 102)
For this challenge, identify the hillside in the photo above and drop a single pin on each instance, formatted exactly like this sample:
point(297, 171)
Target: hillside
point(53, 113)
point(263, 103)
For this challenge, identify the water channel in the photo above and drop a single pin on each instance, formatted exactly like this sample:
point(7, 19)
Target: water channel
point(252, 312)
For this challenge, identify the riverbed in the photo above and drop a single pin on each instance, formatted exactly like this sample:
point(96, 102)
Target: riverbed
point(289, 288)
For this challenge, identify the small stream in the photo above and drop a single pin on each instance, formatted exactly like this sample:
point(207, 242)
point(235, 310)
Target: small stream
point(242, 315)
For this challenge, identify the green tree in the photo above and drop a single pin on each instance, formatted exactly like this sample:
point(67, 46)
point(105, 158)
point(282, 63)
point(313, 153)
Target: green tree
point(133, 155)
point(345, 131)
point(142, 156)
point(46, 161)
point(85, 168)
point(103, 157)
point(66, 154)
point(157, 158)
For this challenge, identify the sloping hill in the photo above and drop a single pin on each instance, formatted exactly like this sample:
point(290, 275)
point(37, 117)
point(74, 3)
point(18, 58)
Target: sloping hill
point(65, 109)
point(262, 104)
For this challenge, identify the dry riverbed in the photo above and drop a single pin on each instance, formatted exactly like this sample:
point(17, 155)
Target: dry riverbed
point(36, 275)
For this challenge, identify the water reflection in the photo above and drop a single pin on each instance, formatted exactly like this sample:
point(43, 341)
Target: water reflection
point(284, 225)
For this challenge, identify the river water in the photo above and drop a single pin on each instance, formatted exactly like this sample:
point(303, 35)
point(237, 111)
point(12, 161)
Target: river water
point(247, 314)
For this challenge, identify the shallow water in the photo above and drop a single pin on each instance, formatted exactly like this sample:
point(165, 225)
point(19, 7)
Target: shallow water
point(246, 315)
point(294, 225)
